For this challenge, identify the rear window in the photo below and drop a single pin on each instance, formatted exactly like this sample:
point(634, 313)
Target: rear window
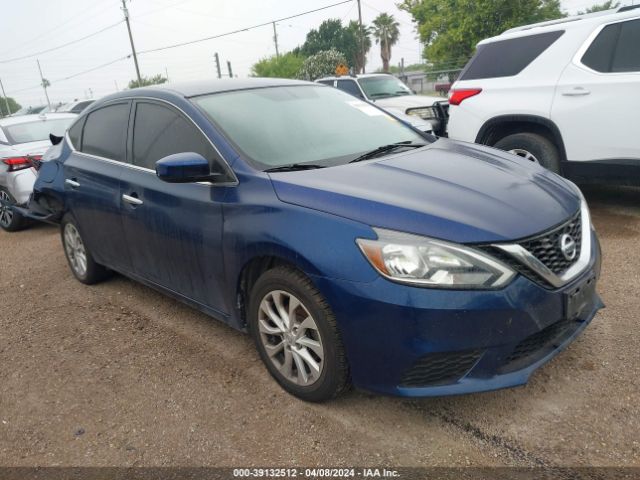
point(36, 131)
point(507, 58)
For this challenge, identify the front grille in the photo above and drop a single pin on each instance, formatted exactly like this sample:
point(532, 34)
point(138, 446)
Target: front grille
point(546, 247)
point(528, 349)
point(440, 368)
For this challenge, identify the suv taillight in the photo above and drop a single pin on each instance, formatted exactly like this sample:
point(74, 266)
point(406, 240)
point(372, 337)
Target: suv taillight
point(458, 95)
point(20, 163)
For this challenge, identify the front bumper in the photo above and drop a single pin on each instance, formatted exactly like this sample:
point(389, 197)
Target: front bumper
point(415, 342)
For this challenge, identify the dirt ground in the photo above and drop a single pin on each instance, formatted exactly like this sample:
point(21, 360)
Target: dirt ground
point(117, 374)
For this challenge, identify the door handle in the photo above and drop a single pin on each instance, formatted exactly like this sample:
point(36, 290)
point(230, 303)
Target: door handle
point(72, 183)
point(132, 200)
point(576, 92)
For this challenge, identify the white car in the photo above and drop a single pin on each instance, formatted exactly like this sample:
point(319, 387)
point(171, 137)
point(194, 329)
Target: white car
point(23, 141)
point(390, 94)
point(563, 93)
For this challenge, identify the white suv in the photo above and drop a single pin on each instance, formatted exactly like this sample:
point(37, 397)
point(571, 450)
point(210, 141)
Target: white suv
point(563, 93)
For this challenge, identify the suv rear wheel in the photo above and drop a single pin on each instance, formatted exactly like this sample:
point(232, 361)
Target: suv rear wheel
point(533, 147)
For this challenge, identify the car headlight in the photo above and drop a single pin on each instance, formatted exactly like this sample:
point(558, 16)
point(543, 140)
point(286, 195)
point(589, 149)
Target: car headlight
point(427, 262)
point(422, 112)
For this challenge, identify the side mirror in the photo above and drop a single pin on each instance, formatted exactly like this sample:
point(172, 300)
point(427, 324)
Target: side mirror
point(186, 167)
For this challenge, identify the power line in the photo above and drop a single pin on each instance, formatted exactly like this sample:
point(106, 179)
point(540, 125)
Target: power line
point(190, 42)
point(61, 46)
point(75, 74)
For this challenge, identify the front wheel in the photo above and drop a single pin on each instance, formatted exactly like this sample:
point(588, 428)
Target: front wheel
point(532, 147)
point(80, 260)
point(296, 335)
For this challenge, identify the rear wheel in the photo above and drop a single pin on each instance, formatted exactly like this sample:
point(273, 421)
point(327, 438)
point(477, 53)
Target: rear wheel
point(533, 147)
point(10, 221)
point(296, 335)
point(80, 260)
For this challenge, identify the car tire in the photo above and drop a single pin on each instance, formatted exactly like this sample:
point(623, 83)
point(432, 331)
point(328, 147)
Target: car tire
point(533, 147)
point(10, 221)
point(80, 260)
point(306, 331)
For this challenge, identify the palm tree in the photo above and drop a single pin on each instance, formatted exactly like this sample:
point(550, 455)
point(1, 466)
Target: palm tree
point(385, 30)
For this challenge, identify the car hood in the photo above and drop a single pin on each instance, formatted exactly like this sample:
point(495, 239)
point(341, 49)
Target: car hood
point(448, 190)
point(31, 148)
point(408, 101)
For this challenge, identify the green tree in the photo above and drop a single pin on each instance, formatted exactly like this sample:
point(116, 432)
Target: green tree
point(13, 106)
point(346, 40)
point(386, 33)
point(322, 64)
point(146, 81)
point(600, 7)
point(450, 29)
point(357, 35)
point(285, 66)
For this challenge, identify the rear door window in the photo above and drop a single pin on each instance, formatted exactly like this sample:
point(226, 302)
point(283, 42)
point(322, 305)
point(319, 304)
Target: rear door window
point(507, 58)
point(627, 55)
point(616, 49)
point(105, 132)
point(159, 131)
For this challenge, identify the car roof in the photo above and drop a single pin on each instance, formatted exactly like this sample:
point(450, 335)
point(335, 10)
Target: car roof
point(362, 75)
point(205, 87)
point(589, 20)
point(34, 118)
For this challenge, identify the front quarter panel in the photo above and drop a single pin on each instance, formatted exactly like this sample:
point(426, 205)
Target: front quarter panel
point(258, 224)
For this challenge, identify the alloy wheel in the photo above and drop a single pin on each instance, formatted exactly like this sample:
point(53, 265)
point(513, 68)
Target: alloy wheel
point(524, 154)
point(6, 214)
point(291, 338)
point(75, 250)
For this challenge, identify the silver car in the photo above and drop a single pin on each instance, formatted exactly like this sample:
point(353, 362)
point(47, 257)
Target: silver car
point(23, 141)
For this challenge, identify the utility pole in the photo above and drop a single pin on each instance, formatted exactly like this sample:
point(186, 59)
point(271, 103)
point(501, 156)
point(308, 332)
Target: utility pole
point(217, 64)
point(44, 85)
point(166, 71)
point(116, 83)
point(133, 48)
point(229, 68)
point(6, 100)
point(362, 52)
point(275, 39)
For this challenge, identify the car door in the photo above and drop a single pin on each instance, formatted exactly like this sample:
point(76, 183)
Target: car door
point(597, 100)
point(173, 230)
point(92, 181)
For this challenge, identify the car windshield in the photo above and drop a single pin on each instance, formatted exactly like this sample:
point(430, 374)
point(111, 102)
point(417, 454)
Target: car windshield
point(383, 86)
point(287, 125)
point(36, 131)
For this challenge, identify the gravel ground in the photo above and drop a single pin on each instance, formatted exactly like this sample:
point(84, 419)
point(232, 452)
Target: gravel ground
point(117, 374)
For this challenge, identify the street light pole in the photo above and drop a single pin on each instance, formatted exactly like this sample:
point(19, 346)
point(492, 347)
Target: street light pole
point(275, 39)
point(361, 36)
point(44, 85)
point(133, 48)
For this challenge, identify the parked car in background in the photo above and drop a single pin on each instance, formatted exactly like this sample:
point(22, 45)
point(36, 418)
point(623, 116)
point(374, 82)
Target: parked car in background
point(76, 106)
point(564, 94)
point(23, 141)
point(389, 93)
point(28, 111)
point(352, 247)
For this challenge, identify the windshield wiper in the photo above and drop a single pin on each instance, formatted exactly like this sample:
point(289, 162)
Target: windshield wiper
point(387, 149)
point(293, 167)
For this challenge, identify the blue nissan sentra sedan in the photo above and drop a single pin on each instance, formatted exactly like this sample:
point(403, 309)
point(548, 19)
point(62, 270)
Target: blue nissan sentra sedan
point(354, 249)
